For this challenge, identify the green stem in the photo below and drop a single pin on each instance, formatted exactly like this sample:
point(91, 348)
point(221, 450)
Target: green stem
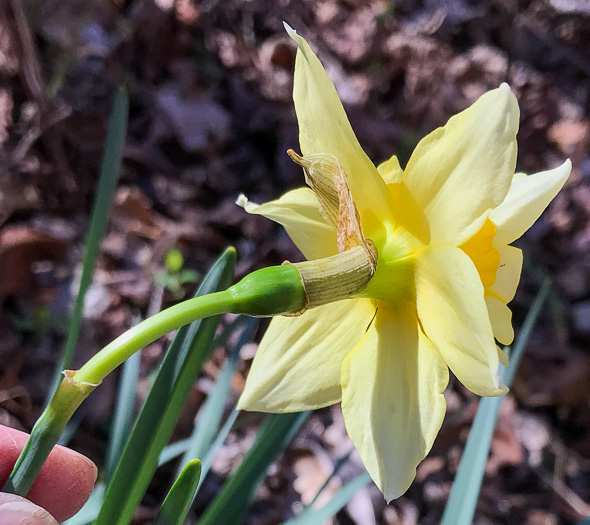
point(46, 433)
point(146, 332)
point(270, 291)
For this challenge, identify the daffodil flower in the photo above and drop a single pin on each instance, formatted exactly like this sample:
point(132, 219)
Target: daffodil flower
point(440, 231)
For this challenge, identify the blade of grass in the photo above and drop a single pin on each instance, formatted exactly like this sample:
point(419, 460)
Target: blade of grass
point(178, 501)
point(177, 448)
point(336, 503)
point(71, 428)
point(123, 419)
point(172, 451)
point(208, 422)
point(219, 440)
point(232, 502)
point(339, 464)
point(107, 182)
point(517, 350)
point(180, 367)
point(222, 338)
point(465, 492)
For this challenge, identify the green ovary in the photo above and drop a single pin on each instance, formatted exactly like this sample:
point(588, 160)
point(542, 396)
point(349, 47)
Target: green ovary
point(394, 276)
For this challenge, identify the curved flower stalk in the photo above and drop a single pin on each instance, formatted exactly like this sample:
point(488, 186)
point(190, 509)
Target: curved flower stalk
point(440, 231)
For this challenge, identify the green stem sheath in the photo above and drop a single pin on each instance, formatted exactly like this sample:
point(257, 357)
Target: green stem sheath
point(46, 433)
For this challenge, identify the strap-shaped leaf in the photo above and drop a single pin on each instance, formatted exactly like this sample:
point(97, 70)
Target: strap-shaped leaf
point(209, 420)
point(107, 182)
point(337, 502)
point(180, 497)
point(465, 492)
point(232, 502)
point(157, 419)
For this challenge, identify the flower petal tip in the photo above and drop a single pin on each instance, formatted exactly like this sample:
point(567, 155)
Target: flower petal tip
point(505, 87)
point(242, 200)
point(497, 381)
point(290, 31)
point(499, 384)
point(243, 404)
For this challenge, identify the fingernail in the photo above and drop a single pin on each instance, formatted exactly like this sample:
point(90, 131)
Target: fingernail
point(24, 513)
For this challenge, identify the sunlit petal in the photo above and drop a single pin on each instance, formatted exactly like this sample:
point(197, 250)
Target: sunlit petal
point(462, 170)
point(453, 313)
point(508, 273)
point(501, 319)
point(526, 200)
point(297, 365)
point(324, 128)
point(392, 385)
point(298, 212)
point(390, 170)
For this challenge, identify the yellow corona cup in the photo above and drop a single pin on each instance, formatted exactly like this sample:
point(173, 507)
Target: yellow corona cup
point(439, 271)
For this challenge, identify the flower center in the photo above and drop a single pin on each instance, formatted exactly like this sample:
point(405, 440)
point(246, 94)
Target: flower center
point(483, 254)
point(394, 276)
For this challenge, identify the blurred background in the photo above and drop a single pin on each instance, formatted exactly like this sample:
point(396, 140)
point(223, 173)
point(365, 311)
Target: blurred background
point(211, 116)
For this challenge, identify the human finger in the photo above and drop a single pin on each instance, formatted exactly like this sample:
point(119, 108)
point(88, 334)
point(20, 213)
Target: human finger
point(64, 482)
point(16, 510)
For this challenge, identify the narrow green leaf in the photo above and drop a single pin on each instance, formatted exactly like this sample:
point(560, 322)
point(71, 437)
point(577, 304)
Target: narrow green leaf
point(124, 411)
point(207, 424)
point(527, 327)
point(219, 440)
point(161, 410)
point(465, 492)
point(226, 333)
point(339, 464)
point(336, 503)
point(231, 504)
point(181, 495)
point(177, 448)
point(172, 451)
point(71, 428)
point(107, 182)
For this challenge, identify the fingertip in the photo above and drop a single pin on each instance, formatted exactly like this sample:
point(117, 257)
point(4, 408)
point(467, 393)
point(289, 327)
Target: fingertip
point(15, 510)
point(12, 441)
point(64, 483)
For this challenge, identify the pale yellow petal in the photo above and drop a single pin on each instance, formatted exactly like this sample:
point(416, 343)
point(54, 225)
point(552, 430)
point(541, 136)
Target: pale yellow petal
point(508, 273)
point(501, 319)
point(392, 398)
point(453, 313)
point(297, 365)
point(459, 172)
point(408, 213)
point(324, 128)
point(526, 200)
point(298, 212)
point(390, 170)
